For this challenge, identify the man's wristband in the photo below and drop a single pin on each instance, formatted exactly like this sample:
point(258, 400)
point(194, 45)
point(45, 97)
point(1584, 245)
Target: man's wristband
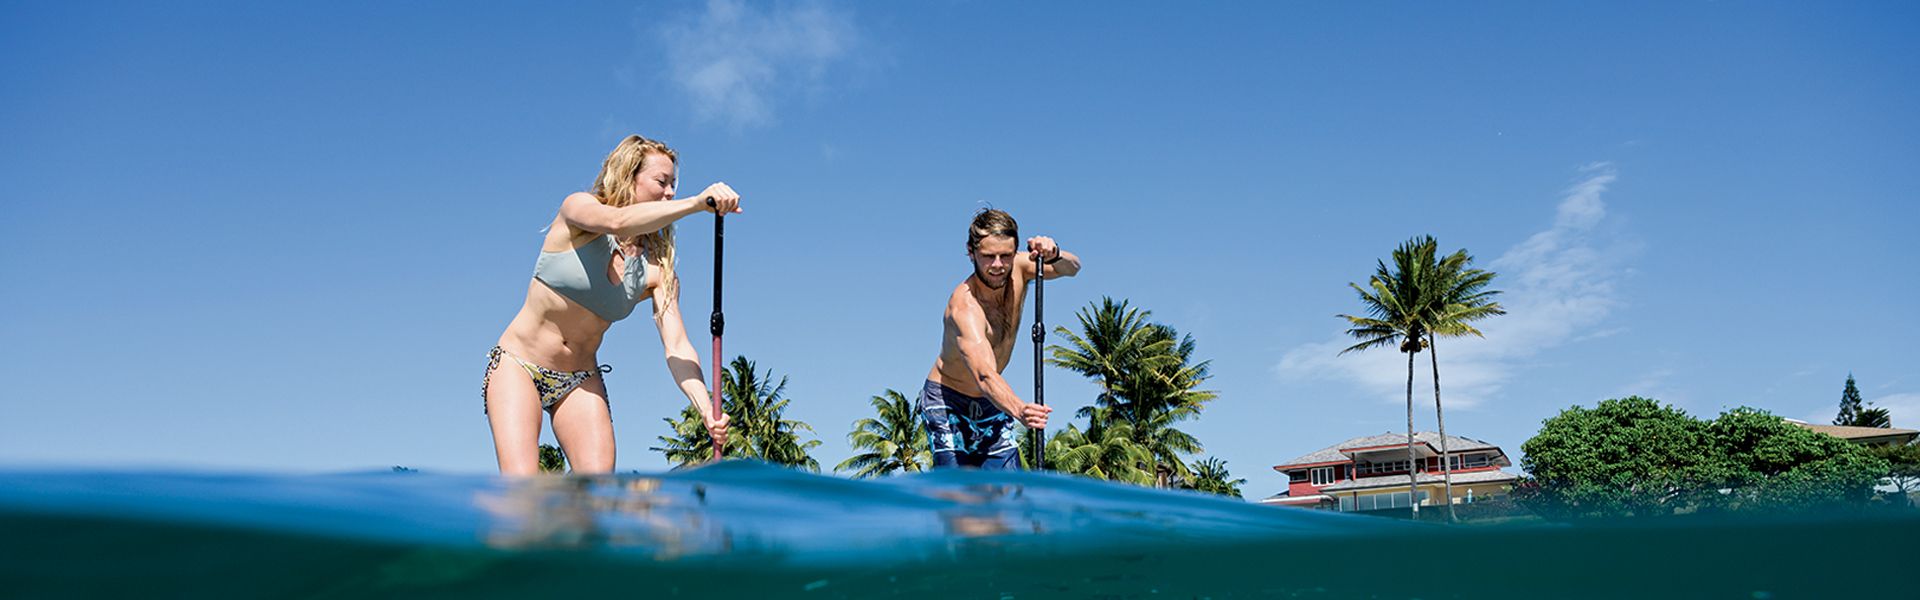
point(1057, 257)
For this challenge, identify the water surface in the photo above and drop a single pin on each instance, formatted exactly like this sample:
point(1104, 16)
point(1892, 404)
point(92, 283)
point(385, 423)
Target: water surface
point(748, 530)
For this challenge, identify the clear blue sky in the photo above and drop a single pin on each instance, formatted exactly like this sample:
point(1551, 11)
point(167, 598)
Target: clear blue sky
point(282, 238)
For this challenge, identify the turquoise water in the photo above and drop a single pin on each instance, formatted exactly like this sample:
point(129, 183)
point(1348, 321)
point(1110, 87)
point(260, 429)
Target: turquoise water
point(746, 530)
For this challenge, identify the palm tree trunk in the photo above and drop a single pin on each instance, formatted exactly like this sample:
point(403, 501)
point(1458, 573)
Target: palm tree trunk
point(1413, 485)
point(1446, 460)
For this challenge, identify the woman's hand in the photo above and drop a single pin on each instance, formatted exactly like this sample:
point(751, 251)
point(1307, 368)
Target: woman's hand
point(720, 199)
point(718, 428)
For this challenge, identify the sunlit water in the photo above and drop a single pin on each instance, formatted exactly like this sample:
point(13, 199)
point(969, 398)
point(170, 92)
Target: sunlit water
point(746, 530)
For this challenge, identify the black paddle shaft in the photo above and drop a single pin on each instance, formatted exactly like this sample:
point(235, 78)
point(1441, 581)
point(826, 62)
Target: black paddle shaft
point(1039, 376)
point(718, 323)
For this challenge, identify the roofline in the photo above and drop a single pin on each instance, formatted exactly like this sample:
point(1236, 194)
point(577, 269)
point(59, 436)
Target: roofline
point(1496, 449)
point(1314, 499)
point(1385, 447)
point(1399, 484)
point(1283, 468)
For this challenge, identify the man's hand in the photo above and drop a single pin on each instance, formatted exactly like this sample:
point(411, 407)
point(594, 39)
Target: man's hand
point(1034, 416)
point(1043, 247)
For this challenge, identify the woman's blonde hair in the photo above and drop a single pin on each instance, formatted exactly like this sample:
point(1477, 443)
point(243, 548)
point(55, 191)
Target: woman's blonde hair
point(614, 187)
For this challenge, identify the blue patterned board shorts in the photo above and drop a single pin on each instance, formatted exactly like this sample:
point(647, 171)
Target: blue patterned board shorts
point(967, 431)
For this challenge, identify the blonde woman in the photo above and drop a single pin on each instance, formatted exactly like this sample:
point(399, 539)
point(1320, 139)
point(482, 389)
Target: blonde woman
point(607, 250)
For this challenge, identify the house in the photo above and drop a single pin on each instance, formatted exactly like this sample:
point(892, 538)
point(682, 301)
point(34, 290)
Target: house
point(1370, 473)
point(1865, 436)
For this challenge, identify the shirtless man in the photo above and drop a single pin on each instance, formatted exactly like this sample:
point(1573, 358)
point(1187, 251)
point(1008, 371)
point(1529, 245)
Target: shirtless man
point(969, 410)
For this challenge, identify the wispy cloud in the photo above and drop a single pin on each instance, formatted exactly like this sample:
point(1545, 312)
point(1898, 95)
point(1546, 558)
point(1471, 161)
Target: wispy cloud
point(1903, 408)
point(1657, 384)
point(1558, 286)
point(736, 62)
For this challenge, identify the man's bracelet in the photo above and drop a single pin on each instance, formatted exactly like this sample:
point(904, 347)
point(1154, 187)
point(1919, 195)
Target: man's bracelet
point(1057, 257)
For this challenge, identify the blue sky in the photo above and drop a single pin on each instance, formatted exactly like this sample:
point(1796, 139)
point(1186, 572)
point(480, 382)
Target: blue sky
point(282, 238)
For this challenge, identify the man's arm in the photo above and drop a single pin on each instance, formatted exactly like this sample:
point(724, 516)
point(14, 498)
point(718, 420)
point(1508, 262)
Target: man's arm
point(1059, 263)
point(971, 327)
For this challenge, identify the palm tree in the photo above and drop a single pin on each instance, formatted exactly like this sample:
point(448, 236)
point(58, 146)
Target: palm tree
point(1457, 296)
point(1026, 451)
point(759, 430)
point(1873, 416)
point(1147, 377)
point(1211, 476)
point(552, 459)
point(1116, 337)
point(1153, 429)
point(1394, 300)
point(1105, 450)
point(895, 442)
point(689, 444)
point(758, 407)
point(1160, 392)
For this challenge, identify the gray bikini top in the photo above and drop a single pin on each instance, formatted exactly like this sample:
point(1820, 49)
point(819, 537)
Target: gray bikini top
point(580, 275)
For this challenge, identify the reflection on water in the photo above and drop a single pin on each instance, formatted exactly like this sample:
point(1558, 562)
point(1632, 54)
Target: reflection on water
point(983, 520)
point(642, 516)
point(634, 515)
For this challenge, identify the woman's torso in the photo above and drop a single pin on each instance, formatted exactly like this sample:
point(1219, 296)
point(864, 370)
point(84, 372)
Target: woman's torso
point(559, 333)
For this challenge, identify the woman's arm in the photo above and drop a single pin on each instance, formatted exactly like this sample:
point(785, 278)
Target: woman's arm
point(585, 212)
point(682, 361)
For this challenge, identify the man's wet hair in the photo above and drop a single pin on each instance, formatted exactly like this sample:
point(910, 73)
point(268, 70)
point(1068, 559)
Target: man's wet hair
point(991, 222)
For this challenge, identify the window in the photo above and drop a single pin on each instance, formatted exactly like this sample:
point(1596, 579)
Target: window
point(1382, 468)
point(1379, 501)
point(1471, 461)
point(1322, 475)
point(1296, 476)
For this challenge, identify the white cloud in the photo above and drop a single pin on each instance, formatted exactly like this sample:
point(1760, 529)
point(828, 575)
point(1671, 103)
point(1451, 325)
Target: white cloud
point(1559, 285)
point(736, 62)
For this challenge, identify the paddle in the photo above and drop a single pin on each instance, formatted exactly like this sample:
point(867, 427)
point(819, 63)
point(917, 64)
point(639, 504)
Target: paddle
point(1039, 377)
point(718, 323)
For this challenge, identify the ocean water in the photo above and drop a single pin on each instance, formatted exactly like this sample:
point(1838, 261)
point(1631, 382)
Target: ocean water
point(748, 530)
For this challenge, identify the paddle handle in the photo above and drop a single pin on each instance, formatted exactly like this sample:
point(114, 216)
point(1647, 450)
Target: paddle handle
point(717, 324)
point(1039, 375)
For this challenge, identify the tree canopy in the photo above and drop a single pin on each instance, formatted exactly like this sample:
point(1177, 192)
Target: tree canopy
point(1636, 456)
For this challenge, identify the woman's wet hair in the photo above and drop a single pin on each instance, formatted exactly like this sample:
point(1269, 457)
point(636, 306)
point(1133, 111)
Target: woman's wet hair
point(614, 187)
